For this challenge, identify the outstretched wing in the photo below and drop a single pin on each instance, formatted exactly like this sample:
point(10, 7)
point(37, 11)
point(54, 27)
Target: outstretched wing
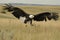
point(17, 12)
point(40, 17)
point(44, 15)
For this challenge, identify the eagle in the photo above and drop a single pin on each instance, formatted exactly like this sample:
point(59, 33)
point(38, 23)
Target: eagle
point(21, 14)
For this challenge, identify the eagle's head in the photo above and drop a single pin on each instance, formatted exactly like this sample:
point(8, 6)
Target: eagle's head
point(31, 16)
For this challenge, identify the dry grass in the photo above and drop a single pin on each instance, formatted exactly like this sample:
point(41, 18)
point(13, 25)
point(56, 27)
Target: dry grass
point(13, 29)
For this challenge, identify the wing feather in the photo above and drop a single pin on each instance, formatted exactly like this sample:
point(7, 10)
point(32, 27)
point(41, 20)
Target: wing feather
point(41, 16)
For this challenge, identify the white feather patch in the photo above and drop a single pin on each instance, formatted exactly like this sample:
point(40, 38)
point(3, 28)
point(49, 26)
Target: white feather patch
point(31, 16)
point(22, 19)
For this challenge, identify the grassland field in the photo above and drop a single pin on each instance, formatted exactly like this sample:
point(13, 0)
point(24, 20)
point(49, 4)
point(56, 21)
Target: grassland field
point(13, 29)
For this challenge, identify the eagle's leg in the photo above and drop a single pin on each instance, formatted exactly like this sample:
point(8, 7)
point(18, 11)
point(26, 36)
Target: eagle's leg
point(31, 22)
